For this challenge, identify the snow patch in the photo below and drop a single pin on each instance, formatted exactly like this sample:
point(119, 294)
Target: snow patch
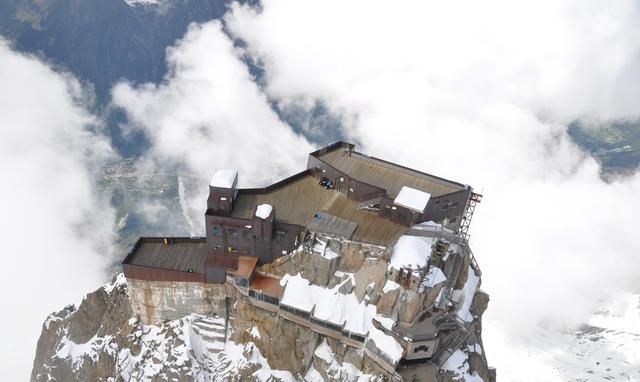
point(330, 305)
point(390, 286)
point(457, 362)
point(466, 295)
point(386, 344)
point(255, 333)
point(264, 210)
point(118, 282)
point(225, 178)
point(434, 277)
point(411, 252)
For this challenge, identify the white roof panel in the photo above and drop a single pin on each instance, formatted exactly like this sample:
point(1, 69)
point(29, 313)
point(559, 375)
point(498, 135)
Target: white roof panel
point(225, 178)
point(264, 210)
point(413, 199)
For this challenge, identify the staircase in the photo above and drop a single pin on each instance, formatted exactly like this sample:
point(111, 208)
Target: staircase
point(212, 330)
point(452, 277)
point(450, 345)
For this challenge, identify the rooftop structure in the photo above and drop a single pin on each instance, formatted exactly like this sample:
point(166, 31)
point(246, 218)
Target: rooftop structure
point(341, 193)
point(416, 219)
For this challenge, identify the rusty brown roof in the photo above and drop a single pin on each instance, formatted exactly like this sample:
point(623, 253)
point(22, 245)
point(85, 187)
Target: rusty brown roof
point(246, 265)
point(267, 285)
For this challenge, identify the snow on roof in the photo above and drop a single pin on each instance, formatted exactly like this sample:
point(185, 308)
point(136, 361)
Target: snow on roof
point(466, 297)
point(411, 252)
point(225, 178)
point(264, 210)
point(385, 321)
point(386, 344)
point(413, 199)
point(330, 305)
point(389, 286)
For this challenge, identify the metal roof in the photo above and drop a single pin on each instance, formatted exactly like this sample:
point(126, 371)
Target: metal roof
point(178, 254)
point(267, 285)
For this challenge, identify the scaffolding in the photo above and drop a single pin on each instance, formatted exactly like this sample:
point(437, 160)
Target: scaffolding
point(463, 241)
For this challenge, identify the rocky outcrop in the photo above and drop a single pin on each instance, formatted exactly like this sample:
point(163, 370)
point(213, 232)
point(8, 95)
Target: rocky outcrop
point(156, 301)
point(286, 345)
point(208, 332)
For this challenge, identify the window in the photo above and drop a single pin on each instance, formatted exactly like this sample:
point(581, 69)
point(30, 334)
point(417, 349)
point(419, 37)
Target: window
point(421, 348)
point(280, 236)
point(453, 220)
point(232, 232)
point(232, 249)
point(246, 234)
point(217, 248)
point(216, 231)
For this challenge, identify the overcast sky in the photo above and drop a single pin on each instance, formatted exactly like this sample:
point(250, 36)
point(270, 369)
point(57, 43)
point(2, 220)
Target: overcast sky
point(478, 92)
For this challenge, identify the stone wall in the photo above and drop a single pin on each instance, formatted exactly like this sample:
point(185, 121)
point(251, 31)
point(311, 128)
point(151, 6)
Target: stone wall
point(156, 301)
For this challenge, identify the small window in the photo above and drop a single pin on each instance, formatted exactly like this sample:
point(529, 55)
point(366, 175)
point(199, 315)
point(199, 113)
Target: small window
point(453, 220)
point(246, 234)
point(232, 249)
point(421, 348)
point(280, 236)
point(394, 208)
point(217, 248)
point(216, 231)
point(232, 232)
point(223, 198)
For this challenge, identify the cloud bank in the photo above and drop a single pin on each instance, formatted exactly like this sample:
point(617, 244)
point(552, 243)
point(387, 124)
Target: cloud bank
point(56, 230)
point(482, 92)
point(209, 114)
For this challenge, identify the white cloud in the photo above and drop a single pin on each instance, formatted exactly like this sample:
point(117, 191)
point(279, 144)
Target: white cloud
point(482, 92)
point(56, 231)
point(209, 114)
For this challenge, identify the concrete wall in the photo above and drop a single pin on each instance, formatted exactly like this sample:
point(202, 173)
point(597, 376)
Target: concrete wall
point(156, 301)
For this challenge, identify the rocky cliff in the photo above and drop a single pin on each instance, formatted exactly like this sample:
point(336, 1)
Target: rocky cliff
point(104, 340)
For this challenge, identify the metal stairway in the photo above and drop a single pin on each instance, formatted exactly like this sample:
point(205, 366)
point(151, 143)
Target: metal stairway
point(450, 345)
point(452, 277)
